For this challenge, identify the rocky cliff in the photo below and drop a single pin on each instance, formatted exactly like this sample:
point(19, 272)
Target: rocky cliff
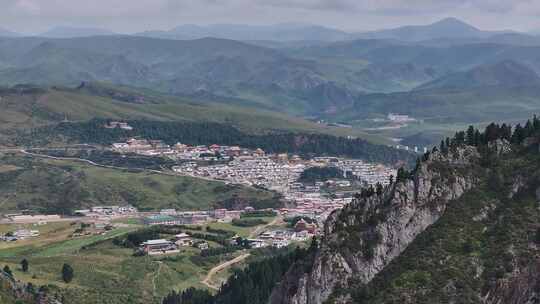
point(463, 227)
point(15, 291)
point(368, 234)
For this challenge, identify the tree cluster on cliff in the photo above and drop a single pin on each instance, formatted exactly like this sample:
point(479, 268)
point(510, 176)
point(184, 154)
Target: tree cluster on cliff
point(251, 285)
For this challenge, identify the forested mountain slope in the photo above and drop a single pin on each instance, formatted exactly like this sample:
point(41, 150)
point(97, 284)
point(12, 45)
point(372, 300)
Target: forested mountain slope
point(462, 227)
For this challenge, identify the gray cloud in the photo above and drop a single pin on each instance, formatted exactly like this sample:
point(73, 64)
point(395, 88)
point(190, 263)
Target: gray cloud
point(137, 15)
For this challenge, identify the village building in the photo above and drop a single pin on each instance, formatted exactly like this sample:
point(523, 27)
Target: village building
point(302, 225)
point(257, 243)
point(22, 234)
point(280, 243)
point(117, 124)
point(220, 213)
point(167, 212)
point(202, 245)
point(156, 247)
point(162, 220)
point(183, 240)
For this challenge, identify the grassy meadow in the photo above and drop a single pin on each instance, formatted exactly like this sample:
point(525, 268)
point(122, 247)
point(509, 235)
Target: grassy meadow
point(105, 272)
point(47, 185)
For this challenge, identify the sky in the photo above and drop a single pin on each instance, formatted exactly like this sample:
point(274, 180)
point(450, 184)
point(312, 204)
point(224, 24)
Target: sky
point(129, 16)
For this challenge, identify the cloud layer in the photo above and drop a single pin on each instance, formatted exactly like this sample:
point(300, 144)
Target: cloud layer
point(137, 15)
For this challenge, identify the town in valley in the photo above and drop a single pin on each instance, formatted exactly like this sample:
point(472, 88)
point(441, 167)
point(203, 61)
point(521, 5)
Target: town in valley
point(306, 203)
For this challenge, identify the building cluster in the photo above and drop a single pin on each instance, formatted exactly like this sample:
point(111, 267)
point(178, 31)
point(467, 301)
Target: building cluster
point(368, 173)
point(171, 217)
point(107, 211)
point(280, 173)
point(163, 246)
point(181, 151)
point(268, 171)
point(118, 124)
point(143, 147)
point(28, 218)
point(302, 231)
point(415, 149)
point(312, 205)
point(172, 246)
point(20, 234)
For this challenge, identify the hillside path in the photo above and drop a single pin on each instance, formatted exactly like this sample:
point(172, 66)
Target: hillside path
point(207, 280)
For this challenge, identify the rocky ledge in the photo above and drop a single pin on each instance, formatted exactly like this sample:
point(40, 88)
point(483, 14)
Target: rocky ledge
point(360, 240)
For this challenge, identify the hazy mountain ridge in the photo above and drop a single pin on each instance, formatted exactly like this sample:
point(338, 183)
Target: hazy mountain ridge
point(279, 32)
point(505, 73)
point(179, 67)
point(446, 28)
point(337, 81)
point(7, 33)
point(73, 32)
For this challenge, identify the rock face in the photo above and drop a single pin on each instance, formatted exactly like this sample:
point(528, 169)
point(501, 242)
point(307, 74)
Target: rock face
point(21, 292)
point(360, 240)
point(522, 287)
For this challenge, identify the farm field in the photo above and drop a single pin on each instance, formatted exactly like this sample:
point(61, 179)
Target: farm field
point(106, 272)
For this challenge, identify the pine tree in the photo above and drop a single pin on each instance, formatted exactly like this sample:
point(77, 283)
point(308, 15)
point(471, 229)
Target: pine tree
point(470, 136)
point(8, 271)
point(379, 189)
point(519, 134)
point(477, 138)
point(442, 147)
point(67, 273)
point(24, 265)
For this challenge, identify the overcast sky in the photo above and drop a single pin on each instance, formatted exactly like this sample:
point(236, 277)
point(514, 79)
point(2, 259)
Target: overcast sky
point(127, 16)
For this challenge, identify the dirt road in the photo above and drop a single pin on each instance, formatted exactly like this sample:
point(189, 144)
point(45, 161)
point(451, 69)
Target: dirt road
point(208, 279)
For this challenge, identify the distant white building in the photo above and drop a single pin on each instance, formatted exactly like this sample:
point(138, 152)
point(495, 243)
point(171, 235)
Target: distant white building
point(25, 233)
point(400, 118)
point(280, 243)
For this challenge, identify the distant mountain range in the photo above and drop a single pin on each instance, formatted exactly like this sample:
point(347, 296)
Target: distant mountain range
point(305, 81)
point(6, 33)
point(449, 28)
point(446, 28)
point(507, 73)
point(439, 80)
point(73, 32)
point(449, 31)
point(280, 32)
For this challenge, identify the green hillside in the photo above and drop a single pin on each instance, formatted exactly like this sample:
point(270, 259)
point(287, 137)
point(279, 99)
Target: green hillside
point(440, 111)
point(507, 73)
point(29, 107)
point(51, 186)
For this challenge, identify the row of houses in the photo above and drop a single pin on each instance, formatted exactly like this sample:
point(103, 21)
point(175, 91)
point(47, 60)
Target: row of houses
point(248, 170)
point(173, 217)
point(20, 234)
point(27, 218)
point(110, 211)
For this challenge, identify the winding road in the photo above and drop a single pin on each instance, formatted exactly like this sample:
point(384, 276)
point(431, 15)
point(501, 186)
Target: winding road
point(208, 279)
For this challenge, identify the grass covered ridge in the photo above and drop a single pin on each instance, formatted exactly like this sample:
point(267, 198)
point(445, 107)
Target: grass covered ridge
point(59, 186)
